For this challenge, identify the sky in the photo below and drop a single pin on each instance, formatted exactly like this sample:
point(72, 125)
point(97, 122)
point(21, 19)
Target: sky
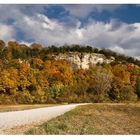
point(115, 27)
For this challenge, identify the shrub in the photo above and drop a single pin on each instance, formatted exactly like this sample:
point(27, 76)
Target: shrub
point(121, 92)
point(127, 93)
point(138, 87)
point(23, 98)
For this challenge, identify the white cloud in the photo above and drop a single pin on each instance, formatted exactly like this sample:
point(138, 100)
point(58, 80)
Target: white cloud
point(117, 49)
point(6, 32)
point(47, 23)
point(25, 43)
point(115, 35)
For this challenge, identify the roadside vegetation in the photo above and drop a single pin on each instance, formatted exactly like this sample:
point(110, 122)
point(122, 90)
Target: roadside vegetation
point(30, 75)
point(93, 119)
point(7, 108)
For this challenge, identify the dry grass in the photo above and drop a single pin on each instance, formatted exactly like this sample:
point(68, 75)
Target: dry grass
point(94, 119)
point(6, 108)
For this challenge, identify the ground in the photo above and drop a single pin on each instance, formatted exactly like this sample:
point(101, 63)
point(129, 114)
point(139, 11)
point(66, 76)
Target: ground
point(17, 122)
point(8, 108)
point(94, 119)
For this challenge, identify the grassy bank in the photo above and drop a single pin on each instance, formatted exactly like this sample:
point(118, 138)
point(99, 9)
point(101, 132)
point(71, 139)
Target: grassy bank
point(94, 119)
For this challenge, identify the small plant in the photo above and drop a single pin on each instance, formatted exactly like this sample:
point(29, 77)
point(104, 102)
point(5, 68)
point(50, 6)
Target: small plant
point(50, 129)
point(30, 131)
point(62, 126)
point(35, 131)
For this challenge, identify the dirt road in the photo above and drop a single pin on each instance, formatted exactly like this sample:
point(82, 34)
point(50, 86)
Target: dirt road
point(94, 119)
point(9, 120)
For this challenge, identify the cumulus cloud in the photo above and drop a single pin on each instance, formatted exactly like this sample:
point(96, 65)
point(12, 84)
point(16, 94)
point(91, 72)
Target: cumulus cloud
point(115, 35)
point(6, 32)
point(118, 36)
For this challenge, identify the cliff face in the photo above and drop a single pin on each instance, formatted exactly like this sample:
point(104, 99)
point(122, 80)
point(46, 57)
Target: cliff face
point(83, 60)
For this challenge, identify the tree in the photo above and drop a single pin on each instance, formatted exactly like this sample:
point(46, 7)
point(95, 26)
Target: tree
point(13, 45)
point(121, 71)
point(56, 90)
point(37, 63)
point(101, 84)
point(128, 93)
point(35, 49)
point(2, 44)
point(36, 46)
point(138, 87)
point(121, 92)
point(8, 81)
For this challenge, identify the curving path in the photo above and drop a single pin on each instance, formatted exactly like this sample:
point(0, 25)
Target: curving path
point(13, 119)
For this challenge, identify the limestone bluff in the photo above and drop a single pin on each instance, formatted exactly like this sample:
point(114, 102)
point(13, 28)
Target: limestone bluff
point(83, 60)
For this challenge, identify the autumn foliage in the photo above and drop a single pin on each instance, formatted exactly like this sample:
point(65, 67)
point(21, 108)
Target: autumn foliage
point(30, 75)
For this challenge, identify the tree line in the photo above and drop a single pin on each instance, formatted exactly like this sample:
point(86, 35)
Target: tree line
point(29, 75)
point(14, 50)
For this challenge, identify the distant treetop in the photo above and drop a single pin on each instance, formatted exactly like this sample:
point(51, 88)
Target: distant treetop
point(14, 50)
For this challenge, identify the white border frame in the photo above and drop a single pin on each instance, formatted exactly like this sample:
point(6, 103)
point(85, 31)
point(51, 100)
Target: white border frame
point(70, 2)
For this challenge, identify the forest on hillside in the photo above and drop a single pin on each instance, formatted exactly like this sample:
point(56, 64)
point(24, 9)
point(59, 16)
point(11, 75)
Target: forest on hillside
point(30, 75)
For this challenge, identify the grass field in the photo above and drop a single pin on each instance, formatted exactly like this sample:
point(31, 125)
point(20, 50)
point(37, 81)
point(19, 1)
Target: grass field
point(7, 108)
point(94, 119)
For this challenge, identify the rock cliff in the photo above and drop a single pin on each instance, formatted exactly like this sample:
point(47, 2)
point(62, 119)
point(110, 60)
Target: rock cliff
point(83, 60)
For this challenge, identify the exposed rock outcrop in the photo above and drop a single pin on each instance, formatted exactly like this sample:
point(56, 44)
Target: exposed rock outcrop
point(83, 60)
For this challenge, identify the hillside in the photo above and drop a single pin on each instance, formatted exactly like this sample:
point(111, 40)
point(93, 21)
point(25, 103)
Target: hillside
point(14, 50)
point(37, 74)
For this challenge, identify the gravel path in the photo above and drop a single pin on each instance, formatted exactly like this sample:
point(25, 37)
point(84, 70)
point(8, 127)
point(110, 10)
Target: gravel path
point(13, 119)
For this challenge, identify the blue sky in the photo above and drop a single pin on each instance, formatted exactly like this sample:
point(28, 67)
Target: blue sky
point(116, 27)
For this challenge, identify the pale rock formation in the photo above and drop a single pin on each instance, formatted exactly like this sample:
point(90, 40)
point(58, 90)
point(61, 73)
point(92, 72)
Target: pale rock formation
point(83, 60)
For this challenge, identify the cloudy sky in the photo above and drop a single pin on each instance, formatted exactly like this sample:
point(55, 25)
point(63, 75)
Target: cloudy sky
point(116, 27)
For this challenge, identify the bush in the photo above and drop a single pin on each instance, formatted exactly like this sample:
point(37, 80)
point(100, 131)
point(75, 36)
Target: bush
point(138, 87)
point(6, 99)
point(121, 92)
point(127, 93)
point(23, 98)
point(42, 97)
